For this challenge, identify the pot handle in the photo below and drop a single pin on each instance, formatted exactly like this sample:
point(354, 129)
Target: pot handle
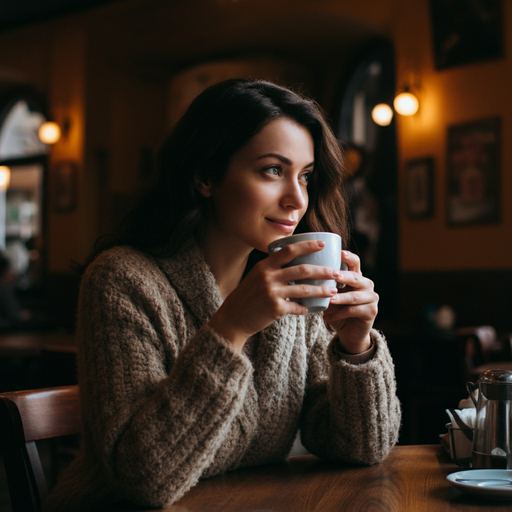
point(471, 386)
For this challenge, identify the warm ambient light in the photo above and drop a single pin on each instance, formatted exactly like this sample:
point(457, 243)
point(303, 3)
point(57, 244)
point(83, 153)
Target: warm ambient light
point(49, 132)
point(5, 177)
point(382, 114)
point(406, 104)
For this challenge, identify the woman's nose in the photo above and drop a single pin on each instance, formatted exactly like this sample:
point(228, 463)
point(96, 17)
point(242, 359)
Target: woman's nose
point(295, 196)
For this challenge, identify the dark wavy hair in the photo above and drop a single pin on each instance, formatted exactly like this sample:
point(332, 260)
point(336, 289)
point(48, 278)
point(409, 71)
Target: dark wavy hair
point(218, 123)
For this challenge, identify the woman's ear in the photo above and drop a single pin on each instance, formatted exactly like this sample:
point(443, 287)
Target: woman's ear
point(203, 187)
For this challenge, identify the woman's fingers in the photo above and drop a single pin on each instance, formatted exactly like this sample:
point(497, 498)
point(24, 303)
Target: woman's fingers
point(355, 298)
point(362, 305)
point(300, 272)
point(354, 280)
point(352, 260)
point(365, 313)
point(302, 291)
point(290, 252)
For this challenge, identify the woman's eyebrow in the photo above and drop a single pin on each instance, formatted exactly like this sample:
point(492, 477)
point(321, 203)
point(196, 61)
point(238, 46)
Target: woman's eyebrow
point(283, 159)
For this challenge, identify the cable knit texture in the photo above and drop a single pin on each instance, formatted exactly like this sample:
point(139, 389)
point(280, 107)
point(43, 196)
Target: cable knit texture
point(167, 401)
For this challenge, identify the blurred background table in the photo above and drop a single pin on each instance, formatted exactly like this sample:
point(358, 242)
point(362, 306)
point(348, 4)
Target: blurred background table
point(37, 359)
point(432, 370)
point(30, 344)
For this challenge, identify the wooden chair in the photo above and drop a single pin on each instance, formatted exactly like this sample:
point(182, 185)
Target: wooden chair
point(27, 417)
point(478, 345)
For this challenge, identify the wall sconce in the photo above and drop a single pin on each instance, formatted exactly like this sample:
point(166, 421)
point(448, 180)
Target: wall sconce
point(5, 177)
point(406, 103)
point(49, 132)
point(382, 114)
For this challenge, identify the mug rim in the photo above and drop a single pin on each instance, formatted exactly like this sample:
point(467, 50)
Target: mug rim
point(271, 244)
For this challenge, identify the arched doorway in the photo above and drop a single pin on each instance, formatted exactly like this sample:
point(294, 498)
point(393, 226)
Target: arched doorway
point(371, 183)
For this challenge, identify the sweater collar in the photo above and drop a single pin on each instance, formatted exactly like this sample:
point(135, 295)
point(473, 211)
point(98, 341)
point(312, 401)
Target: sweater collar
point(193, 280)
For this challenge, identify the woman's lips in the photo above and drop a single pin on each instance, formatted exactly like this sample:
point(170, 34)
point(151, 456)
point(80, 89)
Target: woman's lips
point(288, 226)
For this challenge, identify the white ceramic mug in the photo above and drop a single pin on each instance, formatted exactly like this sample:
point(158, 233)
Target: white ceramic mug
point(329, 256)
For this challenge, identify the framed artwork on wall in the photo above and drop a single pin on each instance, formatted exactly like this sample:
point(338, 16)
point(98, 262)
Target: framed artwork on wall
point(419, 183)
point(65, 186)
point(466, 31)
point(473, 172)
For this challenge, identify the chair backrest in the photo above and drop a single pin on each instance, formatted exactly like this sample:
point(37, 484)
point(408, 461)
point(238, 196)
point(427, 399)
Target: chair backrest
point(478, 344)
point(27, 417)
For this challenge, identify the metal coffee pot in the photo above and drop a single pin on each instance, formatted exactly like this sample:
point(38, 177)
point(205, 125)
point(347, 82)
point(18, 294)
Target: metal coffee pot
point(492, 438)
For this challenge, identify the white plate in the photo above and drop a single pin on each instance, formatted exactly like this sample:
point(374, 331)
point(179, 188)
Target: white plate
point(490, 490)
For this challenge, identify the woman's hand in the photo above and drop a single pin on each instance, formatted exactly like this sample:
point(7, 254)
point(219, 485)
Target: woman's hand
point(353, 311)
point(261, 298)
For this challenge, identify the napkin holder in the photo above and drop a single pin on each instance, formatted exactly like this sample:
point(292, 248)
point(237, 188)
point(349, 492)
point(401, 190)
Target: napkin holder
point(460, 439)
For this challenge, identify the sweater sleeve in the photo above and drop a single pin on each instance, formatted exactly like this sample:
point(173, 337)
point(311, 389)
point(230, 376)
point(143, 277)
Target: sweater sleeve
point(351, 412)
point(156, 407)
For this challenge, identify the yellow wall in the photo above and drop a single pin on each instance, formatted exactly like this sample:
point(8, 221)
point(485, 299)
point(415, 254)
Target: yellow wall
point(110, 112)
point(448, 97)
point(89, 68)
point(69, 232)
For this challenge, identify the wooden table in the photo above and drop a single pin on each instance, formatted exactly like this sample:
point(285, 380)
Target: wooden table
point(37, 359)
point(411, 479)
point(30, 344)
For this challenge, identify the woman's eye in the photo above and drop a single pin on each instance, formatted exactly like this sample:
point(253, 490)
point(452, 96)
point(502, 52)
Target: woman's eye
point(306, 177)
point(274, 170)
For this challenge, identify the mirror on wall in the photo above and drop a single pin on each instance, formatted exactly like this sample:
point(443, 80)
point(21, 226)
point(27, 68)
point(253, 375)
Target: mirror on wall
point(22, 193)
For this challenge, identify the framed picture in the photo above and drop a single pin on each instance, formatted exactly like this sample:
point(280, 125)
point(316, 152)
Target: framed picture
point(419, 182)
point(466, 31)
point(66, 184)
point(473, 172)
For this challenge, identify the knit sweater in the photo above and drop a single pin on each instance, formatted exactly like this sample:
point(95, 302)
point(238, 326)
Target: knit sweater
point(167, 401)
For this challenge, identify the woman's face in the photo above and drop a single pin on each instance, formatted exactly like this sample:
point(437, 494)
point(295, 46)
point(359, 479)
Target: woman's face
point(264, 194)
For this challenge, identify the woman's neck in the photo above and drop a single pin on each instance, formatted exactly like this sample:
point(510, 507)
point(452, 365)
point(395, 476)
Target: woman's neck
point(226, 262)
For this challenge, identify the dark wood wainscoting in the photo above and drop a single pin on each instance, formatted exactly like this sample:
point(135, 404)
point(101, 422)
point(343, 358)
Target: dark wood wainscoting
point(479, 297)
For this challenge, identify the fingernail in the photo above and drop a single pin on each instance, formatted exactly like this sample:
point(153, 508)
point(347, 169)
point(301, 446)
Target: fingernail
point(320, 243)
point(333, 289)
point(336, 273)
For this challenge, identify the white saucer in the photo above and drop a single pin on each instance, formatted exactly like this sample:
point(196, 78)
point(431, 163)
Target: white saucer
point(489, 490)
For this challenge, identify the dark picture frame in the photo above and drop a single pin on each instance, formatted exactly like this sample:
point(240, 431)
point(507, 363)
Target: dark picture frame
point(419, 182)
point(65, 186)
point(473, 172)
point(466, 31)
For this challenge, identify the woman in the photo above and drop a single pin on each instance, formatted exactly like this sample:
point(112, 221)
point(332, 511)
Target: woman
point(192, 361)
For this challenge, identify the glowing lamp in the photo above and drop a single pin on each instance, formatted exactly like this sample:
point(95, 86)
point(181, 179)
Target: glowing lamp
point(5, 177)
point(406, 104)
point(382, 114)
point(49, 132)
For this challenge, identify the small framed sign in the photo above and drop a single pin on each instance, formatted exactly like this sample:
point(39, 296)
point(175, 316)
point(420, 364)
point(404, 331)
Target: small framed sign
point(419, 179)
point(65, 186)
point(473, 172)
point(466, 31)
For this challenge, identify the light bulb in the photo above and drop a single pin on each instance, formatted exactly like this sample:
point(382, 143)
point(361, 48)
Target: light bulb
point(49, 132)
point(382, 114)
point(406, 104)
point(5, 177)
